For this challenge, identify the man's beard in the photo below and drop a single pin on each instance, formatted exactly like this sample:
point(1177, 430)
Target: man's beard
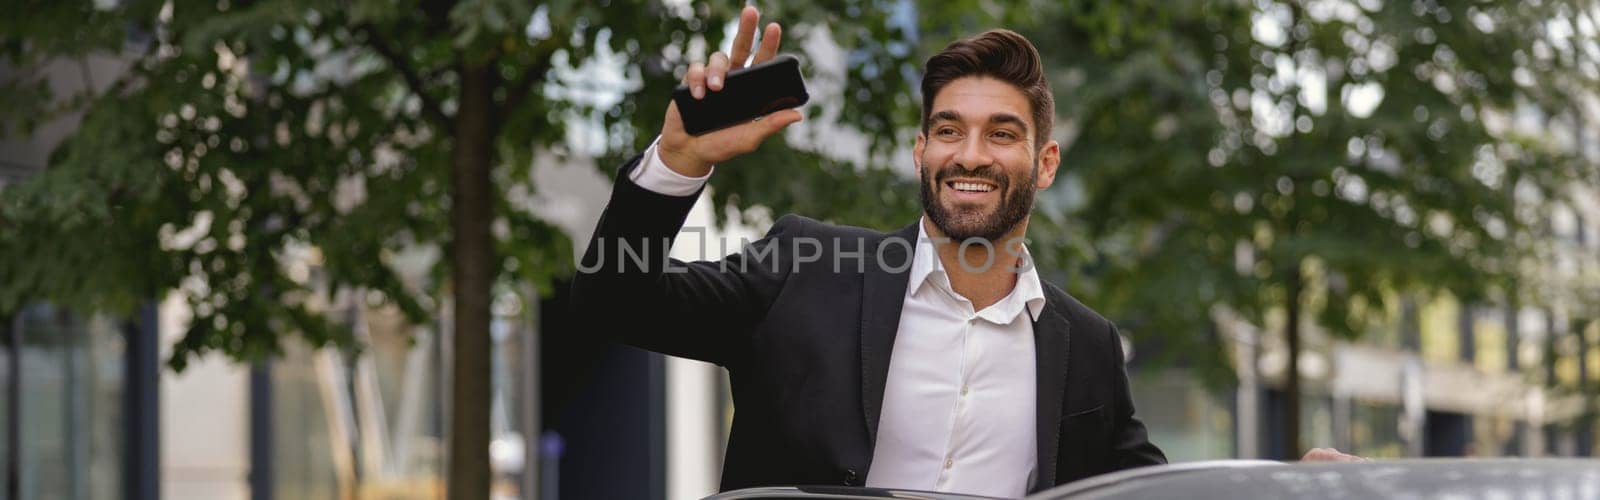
point(962, 224)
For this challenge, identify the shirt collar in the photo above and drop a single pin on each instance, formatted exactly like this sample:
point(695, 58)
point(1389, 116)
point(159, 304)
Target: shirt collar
point(924, 261)
point(1028, 291)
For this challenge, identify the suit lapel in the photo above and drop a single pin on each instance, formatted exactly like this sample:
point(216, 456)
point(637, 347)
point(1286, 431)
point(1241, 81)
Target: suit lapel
point(882, 296)
point(1050, 348)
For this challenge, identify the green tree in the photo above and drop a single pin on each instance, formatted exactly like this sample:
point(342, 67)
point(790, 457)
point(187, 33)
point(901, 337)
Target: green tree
point(245, 132)
point(1307, 157)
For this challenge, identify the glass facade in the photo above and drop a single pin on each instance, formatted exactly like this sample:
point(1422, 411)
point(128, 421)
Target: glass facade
point(364, 424)
point(373, 423)
point(69, 412)
point(303, 466)
point(1184, 419)
point(1375, 430)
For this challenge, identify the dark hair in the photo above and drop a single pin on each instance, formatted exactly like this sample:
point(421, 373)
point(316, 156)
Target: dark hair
point(1000, 54)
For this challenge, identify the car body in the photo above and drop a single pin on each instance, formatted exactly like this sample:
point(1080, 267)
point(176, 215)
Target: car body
point(836, 493)
point(1556, 478)
point(1375, 479)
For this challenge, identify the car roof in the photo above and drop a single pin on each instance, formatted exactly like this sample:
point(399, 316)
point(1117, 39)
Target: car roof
point(1379, 479)
point(835, 493)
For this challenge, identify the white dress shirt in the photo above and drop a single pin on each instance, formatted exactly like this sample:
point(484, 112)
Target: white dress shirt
point(654, 175)
point(958, 407)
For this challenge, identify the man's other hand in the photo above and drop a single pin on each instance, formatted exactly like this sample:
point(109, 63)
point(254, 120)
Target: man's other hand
point(1330, 455)
point(693, 156)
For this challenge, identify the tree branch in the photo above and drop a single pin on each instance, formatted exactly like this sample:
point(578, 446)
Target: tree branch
point(517, 92)
point(430, 106)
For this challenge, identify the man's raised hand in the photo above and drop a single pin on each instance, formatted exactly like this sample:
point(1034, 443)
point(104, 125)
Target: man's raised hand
point(693, 156)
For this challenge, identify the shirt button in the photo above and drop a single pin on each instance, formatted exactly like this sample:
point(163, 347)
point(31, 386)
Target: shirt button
point(850, 477)
point(949, 463)
point(963, 390)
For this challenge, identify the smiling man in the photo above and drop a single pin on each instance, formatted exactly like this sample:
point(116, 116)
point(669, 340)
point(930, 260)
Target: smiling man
point(929, 358)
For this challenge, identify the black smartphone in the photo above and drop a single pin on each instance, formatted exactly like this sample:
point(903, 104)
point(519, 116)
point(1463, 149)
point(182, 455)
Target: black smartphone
point(747, 93)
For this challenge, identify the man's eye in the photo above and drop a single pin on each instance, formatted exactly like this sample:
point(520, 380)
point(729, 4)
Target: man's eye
point(1005, 135)
point(946, 131)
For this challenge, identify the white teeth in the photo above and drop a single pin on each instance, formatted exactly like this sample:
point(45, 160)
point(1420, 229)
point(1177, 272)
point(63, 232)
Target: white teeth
point(972, 186)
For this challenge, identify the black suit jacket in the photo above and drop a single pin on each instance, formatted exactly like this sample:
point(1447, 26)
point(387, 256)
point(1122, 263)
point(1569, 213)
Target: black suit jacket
point(807, 347)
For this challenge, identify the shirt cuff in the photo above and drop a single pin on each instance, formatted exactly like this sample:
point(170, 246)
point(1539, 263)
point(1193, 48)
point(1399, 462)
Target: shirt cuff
point(654, 175)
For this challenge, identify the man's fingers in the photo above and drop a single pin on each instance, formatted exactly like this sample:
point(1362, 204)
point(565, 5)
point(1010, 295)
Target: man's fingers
point(777, 120)
point(770, 39)
point(782, 119)
point(696, 80)
point(1330, 455)
point(716, 70)
point(763, 127)
point(748, 19)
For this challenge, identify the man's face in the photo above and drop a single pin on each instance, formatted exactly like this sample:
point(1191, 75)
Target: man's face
point(977, 162)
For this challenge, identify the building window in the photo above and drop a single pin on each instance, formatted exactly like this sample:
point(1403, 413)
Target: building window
point(71, 403)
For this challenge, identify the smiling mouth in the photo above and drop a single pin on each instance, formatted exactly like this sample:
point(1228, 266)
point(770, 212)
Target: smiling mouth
point(970, 187)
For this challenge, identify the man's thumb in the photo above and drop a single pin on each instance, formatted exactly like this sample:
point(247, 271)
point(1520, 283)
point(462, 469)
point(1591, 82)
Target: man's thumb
point(754, 133)
point(780, 119)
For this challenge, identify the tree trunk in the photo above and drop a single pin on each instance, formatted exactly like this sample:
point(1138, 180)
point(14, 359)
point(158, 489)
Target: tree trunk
point(1291, 381)
point(472, 276)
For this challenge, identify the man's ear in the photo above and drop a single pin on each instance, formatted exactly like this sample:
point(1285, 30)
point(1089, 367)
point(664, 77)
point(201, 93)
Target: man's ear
point(916, 152)
point(1049, 161)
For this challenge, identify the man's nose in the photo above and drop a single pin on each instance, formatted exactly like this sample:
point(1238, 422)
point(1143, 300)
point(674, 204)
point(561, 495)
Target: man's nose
point(974, 154)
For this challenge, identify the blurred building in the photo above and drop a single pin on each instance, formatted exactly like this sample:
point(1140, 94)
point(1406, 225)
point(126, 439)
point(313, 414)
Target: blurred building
point(78, 391)
point(91, 411)
point(1516, 377)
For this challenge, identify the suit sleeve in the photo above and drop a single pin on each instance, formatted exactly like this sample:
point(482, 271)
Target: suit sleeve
point(1130, 443)
point(628, 289)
